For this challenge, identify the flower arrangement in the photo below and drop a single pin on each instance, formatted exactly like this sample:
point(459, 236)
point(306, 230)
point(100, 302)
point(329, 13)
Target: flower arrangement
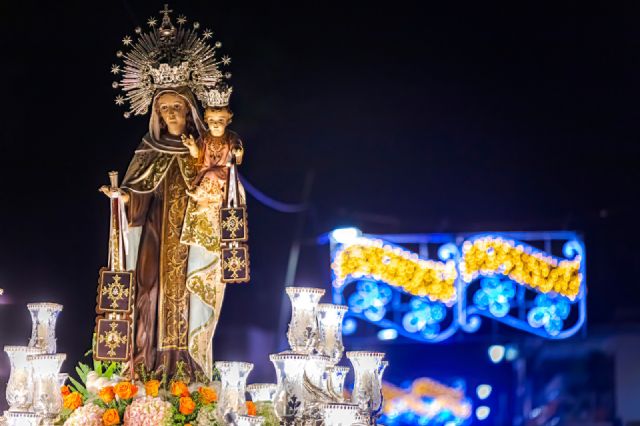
point(119, 401)
point(265, 410)
point(207, 417)
point(149, 411)
point(86, 415)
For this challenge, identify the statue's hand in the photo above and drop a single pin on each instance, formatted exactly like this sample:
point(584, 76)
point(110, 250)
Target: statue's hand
point(190, 143)
point(111, 193)
point(238, 152)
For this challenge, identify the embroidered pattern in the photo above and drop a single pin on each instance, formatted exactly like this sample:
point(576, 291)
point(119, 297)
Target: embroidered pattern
point(174, 297)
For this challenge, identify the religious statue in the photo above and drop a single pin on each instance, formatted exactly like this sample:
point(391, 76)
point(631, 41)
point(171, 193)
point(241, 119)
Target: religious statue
point(173, 191)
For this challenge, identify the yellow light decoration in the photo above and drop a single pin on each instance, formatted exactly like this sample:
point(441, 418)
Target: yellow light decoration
point(544, 273)
point(396, 267)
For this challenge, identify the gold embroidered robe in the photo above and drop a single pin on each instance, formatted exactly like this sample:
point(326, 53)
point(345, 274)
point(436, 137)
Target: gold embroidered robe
point(157, 180)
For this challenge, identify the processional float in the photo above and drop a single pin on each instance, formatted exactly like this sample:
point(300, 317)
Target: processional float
point(178, 235)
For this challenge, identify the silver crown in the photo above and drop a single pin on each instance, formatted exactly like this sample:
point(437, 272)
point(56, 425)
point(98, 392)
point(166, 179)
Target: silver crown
point(216, 98)
point(168, 76)
point(167, 56)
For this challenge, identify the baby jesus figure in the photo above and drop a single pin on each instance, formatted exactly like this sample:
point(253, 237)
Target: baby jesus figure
point(201, 228)
point(214, 154)
point(214, 157)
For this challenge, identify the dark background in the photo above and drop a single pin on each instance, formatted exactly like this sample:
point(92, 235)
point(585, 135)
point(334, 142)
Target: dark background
point(413, 117)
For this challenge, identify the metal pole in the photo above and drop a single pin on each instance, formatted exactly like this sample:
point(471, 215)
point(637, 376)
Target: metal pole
point(294, 256)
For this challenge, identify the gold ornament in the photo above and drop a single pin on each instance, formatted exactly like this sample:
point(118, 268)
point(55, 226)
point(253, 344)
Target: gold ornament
point(112, 339)
point(115, 292)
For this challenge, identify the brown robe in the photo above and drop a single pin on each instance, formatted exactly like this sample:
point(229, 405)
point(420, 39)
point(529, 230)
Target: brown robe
point(157, 180)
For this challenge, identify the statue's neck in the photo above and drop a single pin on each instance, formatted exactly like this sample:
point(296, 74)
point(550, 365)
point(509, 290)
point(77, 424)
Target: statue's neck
point(224, 135)
point(175, 132)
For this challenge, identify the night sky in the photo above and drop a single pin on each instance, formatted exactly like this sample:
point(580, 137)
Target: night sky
point(412, 117)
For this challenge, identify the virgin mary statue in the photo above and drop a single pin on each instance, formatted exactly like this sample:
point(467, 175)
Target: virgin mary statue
point(178, 281)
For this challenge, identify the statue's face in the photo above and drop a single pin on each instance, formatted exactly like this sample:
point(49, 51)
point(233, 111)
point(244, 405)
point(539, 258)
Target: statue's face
point(217, 120)
point(173, 110)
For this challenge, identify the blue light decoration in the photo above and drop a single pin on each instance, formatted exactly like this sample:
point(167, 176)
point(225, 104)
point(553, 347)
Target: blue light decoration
point(387, 334)
point(371, 299)
point(550, 312)
point(424, 317)
point(531, 281)
point(349, 326)
point(495, 294)
point(511, 353)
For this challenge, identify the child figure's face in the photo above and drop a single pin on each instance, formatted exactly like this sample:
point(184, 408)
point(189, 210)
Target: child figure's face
point(217, 120)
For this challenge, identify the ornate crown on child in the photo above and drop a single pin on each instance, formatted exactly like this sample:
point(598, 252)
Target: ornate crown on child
point(168, 57)
point(217, 97)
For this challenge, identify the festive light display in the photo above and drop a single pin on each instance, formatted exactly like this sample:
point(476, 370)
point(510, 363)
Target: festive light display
point(506, 277)
point(549, 313)
point(426, 399)
point(522, 264)
point(397, 267)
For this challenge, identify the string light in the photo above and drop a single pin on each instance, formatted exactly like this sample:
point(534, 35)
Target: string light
point(397, 267)
point(544, 273)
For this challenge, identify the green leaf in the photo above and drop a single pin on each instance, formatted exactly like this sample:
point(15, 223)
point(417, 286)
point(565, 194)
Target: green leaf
point(83, 370)
point(110, 370)
point(83, 377)
point(79, 387)
point(97, 367)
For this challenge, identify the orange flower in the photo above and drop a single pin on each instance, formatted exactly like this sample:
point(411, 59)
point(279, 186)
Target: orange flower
point(64, 390)
point(126, 390)
point(151, 387)
point(251, 408)
point(72, 401)
point(179, 388)
point(187, 405)
point(111, 417)
point(208, 395)
point(107, 394)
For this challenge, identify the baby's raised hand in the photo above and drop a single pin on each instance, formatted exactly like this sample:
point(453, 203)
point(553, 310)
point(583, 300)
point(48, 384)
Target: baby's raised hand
point(190, 143)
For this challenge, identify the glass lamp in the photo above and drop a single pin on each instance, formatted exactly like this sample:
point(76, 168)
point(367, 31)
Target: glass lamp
point(303, 328)
point(330, 331)
point(20, 386)
point(233, 381)
point(47, 400)
point(367, 389)
point(43, 332)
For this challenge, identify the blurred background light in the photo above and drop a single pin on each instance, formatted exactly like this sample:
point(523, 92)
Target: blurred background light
point(482, 412)
point(483, 391)
point(496, 353)
point(387, 334)
point(349, 326)
point(345, 235)
point(511, 353)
